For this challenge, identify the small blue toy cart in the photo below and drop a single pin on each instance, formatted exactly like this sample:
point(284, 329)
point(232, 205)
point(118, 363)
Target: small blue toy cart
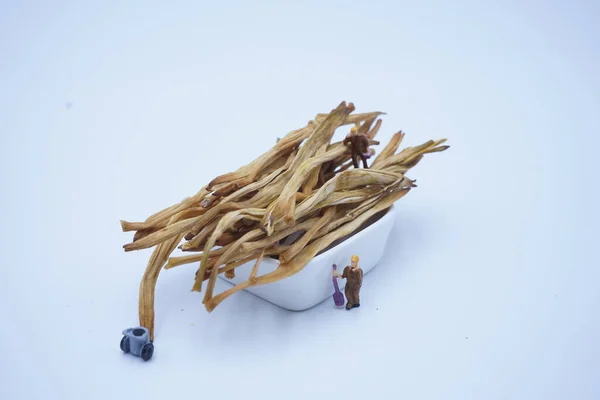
point(137, 342)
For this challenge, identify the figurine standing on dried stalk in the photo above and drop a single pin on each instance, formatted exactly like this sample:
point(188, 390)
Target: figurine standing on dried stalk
point(359, 145)
point(291, 203)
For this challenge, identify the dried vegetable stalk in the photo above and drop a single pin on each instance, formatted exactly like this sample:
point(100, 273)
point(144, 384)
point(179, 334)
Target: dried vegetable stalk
point(292, 202)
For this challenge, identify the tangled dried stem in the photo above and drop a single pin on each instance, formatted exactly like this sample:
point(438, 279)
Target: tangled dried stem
point(292, 202)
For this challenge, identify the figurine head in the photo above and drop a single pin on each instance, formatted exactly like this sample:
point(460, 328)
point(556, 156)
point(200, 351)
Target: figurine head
point(354, 260)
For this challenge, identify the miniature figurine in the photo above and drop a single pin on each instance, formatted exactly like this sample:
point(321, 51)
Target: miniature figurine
point(354, 276)
point(359, 145)
point(338, 297)
point(137, 342)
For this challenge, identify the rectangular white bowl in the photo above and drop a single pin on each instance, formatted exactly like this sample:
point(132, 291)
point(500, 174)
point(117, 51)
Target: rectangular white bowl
point(313, 283)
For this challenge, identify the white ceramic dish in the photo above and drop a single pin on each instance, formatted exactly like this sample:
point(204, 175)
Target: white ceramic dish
point(313, 283)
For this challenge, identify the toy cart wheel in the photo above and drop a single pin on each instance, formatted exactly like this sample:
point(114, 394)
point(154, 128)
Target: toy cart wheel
point(125, 344)
point(147, 351)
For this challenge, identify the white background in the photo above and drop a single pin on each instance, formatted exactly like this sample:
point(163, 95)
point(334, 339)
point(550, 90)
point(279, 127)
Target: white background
point(489, 288)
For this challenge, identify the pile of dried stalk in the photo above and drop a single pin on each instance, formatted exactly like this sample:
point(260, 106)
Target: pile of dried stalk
point(304, 188)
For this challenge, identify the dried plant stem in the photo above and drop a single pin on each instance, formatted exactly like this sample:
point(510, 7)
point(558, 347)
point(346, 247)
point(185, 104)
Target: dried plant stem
point(148, 284)
point(227, 221)
point(286, 203)
point(290, 141)
point(389, 149)
point(254, 271)
point(271, 240)
point(179, 227)
point(236, 246)
point(165, 214)
point(177, 261)
point(295, 200)
point(299, 245)
point(301, 168)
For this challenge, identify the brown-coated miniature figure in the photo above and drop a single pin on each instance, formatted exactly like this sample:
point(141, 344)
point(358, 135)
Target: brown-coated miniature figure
point(359, 147)
point(354, 276)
